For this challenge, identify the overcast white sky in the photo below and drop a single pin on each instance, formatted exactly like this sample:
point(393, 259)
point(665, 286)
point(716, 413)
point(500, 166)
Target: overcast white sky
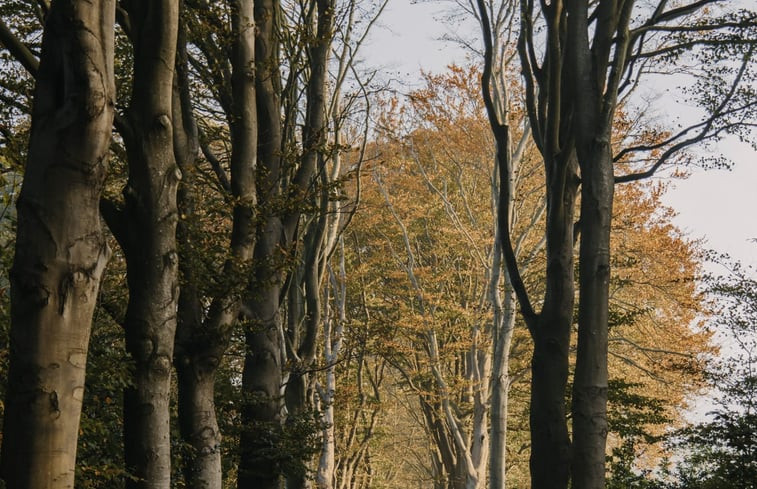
point(718, 205)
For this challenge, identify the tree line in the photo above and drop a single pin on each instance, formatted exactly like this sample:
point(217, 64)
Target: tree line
point(263, 261)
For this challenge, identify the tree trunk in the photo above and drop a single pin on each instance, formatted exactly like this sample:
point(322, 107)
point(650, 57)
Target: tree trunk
point(259, 467)
point(550, 328)
point(590, 382)
point(149, 243)
point(500, 388)
point(333, 330)
point(197, 351)
point(264, 362)
point(550, 443)
point(198, 424)
point(61, 249)
point(202, 340)
point(261, 382)
point(587, 77)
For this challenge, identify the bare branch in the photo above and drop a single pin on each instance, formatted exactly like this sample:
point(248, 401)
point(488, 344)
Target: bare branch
point(223, 180)
point(702, 134)
point(18, 49)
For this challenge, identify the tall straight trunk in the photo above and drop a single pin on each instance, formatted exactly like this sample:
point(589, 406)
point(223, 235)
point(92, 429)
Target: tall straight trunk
point(202, 340)
point(318, 242)
point(264, 360)
point(588, 78)
point(333, 330)
point(590, 383)
point(61, 249)
point(550, 442)
point(263, 372)
point(148, 237)
point(261, 382)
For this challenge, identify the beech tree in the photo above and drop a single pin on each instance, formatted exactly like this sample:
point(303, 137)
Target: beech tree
point(429, 190)
point(61, 250)
point(440, 148)
point(593, 53)
point(203, 333)
point(262, 378)
point(145, 227)
point(236, 125)
point(550, 327)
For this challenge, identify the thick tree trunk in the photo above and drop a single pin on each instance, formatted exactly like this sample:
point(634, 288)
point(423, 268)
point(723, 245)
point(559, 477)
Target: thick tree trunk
point(550, 442)
point(590, 382)
point(61, 250)
point(149, 242)
point(198, 424)
point(593, 135)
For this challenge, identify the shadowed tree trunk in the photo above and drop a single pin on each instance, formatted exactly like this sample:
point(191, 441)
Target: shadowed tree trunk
point(263, 366)
point(550, 443)
point(263, 372)
point(548, 110)
point(201, 340)
point(595, 158)
point(588, 77)
point(61, 249)
point(146, 230)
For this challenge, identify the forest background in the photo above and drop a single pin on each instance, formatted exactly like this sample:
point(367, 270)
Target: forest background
point(305, 259)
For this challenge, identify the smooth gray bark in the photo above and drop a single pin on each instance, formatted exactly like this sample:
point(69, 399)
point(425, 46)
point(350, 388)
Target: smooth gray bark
point(202, 339)
point(263, 367)
point(61, 249)
point(146, 231)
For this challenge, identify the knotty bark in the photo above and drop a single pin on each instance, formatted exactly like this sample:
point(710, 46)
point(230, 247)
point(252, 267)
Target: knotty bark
point(61, 250)
point(146, 230)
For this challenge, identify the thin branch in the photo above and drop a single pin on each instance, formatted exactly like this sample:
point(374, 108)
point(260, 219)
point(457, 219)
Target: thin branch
point(703, 134)
point(220, 173)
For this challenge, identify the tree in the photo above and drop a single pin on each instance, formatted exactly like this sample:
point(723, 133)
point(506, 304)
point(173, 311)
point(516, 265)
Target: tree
point(61, 249)
point(440, 140)
point(203, 334)
point(550, 328)
point(145, 227)
point(593, 54)
point(276, 231)
point(428, 190)
point(722, 451)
